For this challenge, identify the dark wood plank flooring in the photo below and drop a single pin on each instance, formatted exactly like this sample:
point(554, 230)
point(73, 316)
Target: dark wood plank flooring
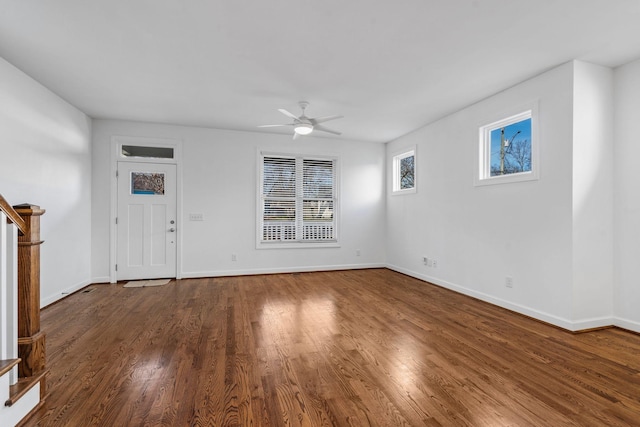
point(349, 348)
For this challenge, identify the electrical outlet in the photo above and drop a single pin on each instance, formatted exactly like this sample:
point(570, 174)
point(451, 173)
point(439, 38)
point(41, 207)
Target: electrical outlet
point(508, 282)
point(425, 260)
point(435, 263)
point(357, 252)
point(429, 262)
point(234, 257)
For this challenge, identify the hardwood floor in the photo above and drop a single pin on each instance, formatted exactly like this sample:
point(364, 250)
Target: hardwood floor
point(348, 348)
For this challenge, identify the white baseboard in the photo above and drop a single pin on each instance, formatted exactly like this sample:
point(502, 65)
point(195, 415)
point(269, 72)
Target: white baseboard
point(277, 270)
point(594, 323)
point(563, 323)
point(53, 298)
point(527, 311)
point(627, 324)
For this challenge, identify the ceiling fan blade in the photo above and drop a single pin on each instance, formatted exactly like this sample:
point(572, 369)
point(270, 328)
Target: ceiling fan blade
point(324, 129)
point(288, 114)
point(273, 126)
point(325, 119)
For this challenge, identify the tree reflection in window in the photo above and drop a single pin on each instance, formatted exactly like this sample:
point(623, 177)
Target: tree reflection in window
point(407, 172)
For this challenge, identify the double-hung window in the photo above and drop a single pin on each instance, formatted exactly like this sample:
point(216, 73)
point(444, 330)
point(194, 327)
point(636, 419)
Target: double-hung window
point(298, 201)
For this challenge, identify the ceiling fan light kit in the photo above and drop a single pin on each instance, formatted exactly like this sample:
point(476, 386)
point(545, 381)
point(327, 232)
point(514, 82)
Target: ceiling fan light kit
point(304, 125)
point(303, 128)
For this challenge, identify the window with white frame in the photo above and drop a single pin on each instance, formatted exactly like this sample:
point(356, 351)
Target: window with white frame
point(404, 172)
point(298, 200)
point(508, 150)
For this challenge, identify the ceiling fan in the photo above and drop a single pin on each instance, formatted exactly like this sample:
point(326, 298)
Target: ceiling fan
point(304, 125)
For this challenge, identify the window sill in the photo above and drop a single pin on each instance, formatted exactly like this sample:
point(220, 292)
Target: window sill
point(407, 191)
point(507, 179)
point(297, 245)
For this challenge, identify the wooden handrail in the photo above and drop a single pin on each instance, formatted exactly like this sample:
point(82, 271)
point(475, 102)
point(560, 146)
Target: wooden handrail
point(12, 215)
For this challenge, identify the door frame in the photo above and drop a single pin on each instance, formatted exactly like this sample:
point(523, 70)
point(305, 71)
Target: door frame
point(116, 156)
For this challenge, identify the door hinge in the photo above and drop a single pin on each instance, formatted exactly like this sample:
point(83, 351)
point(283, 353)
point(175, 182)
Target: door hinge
point(116, 267)
point(116, 173)
point(116, 220)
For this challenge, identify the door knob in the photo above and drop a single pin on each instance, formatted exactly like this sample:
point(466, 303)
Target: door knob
point(172, 230)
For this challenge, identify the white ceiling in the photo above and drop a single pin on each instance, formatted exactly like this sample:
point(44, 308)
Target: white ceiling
point(388, 66)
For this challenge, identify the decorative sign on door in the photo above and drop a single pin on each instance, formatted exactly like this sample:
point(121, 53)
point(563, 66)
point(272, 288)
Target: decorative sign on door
point(147, 183)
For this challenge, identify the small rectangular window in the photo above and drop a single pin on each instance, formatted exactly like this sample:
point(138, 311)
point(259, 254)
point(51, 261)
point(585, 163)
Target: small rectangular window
point(508, 150)
point(147, 152)
point(404, 172)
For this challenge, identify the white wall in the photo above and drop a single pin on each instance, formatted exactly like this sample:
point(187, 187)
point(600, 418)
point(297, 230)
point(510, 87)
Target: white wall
point(528, 230)
point(627, 196)
point(46, 160)
point(219, 180)
point(592, 195)
point(569, 240)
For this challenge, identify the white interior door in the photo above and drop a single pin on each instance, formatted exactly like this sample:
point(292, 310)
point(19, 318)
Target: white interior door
point(146, 222)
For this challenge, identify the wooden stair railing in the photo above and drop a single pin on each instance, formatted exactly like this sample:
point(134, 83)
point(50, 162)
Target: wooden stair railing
point(31, 341)
point(12, 215)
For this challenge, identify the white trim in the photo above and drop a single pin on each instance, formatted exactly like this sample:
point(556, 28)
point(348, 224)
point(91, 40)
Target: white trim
point(630, 325)
point(561, 322)
point(279, 270)
point(536, 314)
point(396, 158)
point(146, 142)
point(65, 293)
point(593, 323)
point(12, 415)
point(9, 294)
point(513, 115)
point(300, 244)
point(116, 143)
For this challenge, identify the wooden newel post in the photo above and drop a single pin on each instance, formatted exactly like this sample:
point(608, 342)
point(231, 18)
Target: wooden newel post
point(31, 341)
